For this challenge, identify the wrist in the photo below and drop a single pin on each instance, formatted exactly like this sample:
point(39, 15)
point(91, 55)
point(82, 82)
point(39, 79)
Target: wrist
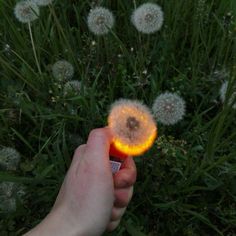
point(57, 223)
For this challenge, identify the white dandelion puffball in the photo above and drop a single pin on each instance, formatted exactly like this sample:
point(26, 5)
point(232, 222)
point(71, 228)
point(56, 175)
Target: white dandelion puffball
point(100, 20)
point(26, 11)
point(9, 193)
point(7, 205)
point(9, 158)
point(62, 70)
point(11, 189)
point(72, 87)
point(7, 188)
point(168, 108)
point(43, 2)
point(148, 18)
point(133, 127)
point(223, 92)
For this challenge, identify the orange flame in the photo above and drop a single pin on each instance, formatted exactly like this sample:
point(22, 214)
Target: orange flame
point(135, 150)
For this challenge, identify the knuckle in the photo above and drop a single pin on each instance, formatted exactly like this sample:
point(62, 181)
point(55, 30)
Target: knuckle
point(79, 149)
point(128, 179)
point(113, 225)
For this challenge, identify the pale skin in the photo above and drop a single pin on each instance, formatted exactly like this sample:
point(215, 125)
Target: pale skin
point(91, 199)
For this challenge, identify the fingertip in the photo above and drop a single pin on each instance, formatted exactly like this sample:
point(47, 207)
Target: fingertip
point(117, 213)
point(99, 134)
point(113, 225)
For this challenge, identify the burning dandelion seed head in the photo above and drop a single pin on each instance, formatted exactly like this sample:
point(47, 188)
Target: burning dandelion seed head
point(133, 127)
point(43, 2)
point(26, 11)
point(9, 159)
point(72, 87)
point(168, 108)
point(62, 70)
point(100, 20)
point(148, 18)
point(223, 92)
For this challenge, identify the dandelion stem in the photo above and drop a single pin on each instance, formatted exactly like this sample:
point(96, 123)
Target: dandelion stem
point(33, 46)
point(60, 29)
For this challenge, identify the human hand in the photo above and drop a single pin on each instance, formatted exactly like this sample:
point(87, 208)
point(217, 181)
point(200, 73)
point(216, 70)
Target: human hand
point(90, 199)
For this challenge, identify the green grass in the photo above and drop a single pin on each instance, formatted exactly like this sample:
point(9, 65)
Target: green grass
point(186, 182)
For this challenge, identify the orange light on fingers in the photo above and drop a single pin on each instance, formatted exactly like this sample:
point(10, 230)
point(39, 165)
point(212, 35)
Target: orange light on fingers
point(133, 127)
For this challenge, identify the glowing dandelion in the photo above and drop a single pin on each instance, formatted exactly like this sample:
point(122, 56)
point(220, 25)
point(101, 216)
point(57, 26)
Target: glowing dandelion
point(62, 70)
point(148, 18)
point(43, 2)
point(9, 158)
point(26, 11)
point(133, 127)
point(223, 92)
point(72, 87)
point(168, 108)
point(100, 20)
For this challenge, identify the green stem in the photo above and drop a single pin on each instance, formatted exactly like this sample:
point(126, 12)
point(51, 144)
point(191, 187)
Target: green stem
point(33, 46)
point(60, 29)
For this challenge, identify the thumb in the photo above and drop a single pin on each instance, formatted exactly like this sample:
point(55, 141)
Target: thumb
point(97, 148)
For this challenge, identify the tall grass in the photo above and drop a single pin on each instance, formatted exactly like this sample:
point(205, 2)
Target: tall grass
point(186, 183)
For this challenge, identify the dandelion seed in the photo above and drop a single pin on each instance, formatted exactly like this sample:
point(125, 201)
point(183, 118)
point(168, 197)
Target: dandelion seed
point(26, 11)
point(9, 158)
point(62, 70)
point(148, 18)
point(100, 20)
point(72, 87)
point(144, 72)
point(7, 48)
point(43, 2)
point(133, 127)
point(223, 92)
point(169, 108)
